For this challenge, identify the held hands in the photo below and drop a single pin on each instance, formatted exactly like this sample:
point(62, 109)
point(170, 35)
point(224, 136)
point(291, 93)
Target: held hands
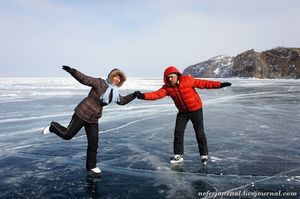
point(225, 84)
point(139, 95)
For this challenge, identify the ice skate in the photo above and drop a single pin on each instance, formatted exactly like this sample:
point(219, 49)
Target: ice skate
point(176, 159)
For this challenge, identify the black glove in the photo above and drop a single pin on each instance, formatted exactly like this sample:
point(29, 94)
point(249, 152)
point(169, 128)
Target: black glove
point(224, 84)
point(139, 95)
point(68, 69)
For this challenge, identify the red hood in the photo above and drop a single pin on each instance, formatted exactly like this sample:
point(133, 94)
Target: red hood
point(169, 70)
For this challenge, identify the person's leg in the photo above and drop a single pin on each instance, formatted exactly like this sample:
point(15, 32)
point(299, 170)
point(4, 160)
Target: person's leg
point(181, 122)
point(92, 133)
point(74, 126)
point(197, 120)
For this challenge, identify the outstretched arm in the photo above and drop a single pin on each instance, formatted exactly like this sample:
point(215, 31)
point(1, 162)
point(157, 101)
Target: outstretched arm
point(199, 83)
point(82, 78)
point(160, 93)
point(126, 99)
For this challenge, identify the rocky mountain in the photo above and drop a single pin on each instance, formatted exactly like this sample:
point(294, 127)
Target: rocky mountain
point(220, 66)
point(275, 63)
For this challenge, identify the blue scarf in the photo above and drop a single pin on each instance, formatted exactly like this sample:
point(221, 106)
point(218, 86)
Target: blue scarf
point(115, 93)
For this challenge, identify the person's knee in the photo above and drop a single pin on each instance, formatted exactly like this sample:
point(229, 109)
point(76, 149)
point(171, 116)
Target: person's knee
point(179, 132)
point(199, 130)
point(178, 139)
point(178, 136)
point(68, 137)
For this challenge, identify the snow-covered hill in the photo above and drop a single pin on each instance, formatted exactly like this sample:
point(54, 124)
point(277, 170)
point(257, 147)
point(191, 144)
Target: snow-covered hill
point(219, 66)
point(275, 63)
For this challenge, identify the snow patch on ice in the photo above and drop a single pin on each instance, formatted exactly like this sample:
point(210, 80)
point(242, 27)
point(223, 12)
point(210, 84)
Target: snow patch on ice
point(214, 159)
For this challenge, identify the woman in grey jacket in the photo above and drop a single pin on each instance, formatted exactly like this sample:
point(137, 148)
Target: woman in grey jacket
point(89, 110)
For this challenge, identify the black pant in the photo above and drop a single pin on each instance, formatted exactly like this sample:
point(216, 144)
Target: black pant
point(92, 132)
point(181, 122)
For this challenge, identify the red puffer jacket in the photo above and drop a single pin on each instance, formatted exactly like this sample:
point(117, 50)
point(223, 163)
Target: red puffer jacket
point(183, 94)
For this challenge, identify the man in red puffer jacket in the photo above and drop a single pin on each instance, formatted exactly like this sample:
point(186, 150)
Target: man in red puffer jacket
point(181, 88)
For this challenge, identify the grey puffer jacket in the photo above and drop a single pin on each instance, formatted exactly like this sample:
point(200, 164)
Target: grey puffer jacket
point(90, 108)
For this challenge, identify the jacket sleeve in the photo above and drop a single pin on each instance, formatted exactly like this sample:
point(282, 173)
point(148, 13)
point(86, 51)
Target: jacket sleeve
point(160, 93)
point(84, 79)
point(199, 83)
point(126, 99)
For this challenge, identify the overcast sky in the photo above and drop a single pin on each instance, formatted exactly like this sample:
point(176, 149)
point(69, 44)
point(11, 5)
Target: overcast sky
point(141, 37)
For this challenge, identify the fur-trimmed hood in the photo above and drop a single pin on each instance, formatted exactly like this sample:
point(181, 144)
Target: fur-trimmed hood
point(118, 72)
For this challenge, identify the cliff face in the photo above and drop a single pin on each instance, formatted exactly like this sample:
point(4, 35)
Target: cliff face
point(247, 64)
point(274, 63)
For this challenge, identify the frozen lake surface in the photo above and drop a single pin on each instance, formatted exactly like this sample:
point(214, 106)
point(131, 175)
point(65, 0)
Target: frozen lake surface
point(252, 130)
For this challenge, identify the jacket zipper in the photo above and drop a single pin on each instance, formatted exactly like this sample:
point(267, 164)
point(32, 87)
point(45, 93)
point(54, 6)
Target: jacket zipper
point(185, 106)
